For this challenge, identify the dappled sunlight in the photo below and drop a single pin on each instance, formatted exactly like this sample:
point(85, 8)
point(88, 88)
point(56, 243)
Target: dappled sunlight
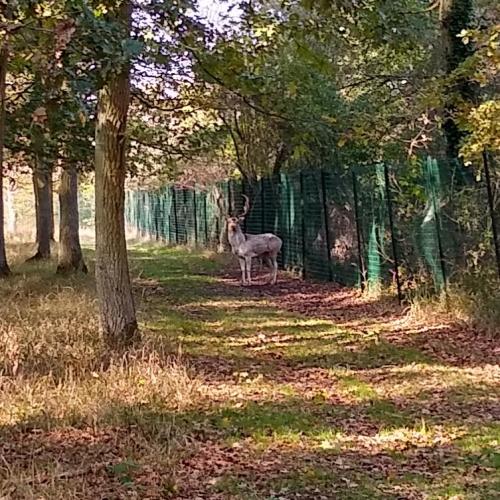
point(410, 380)
point(239, 391)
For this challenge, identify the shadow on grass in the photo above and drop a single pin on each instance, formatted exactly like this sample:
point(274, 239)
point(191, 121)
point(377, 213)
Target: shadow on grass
point(294, 447)
point(189, 283)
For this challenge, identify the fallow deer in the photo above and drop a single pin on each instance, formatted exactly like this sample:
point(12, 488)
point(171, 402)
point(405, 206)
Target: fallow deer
point(249, 246)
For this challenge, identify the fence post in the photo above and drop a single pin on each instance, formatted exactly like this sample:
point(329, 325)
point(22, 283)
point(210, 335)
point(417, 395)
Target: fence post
point(327, 225)
point(358, 232)
point(185, 212)
point(217, 221)
point(168, 198)
point(303, 224)
point(492, 209)
point(205, 194)
point(157, 216)
point(289, 219)
point(393, 239)
point(195, 217)
point(174, 202)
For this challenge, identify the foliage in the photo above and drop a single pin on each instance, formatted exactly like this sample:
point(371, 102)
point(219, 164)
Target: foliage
point(481, 120)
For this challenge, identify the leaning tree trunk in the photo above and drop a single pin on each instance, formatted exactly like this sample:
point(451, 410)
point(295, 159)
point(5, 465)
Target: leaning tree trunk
point(4, 267)
point(70, 251)
point(42, 178)
point(116, 305)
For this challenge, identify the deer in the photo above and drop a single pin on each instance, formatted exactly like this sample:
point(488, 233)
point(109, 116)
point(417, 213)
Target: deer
point(246, 247)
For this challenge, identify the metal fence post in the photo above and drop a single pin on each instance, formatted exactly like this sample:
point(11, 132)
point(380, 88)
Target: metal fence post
point(391, 226)
point(185, 212)
point(205, 194)
point(327, 225)
point(168, 203)
point(491, 204)
point(174, 202)
point(217, 219)
point(303, 224)
point(358, 232)
point(157, 216)
point(195, 217)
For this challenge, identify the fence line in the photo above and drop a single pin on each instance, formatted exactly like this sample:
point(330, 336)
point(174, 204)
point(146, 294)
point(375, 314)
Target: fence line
point(404, 226)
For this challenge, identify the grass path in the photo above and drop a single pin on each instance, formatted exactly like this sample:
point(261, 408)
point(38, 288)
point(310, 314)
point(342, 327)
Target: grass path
point(302, 390)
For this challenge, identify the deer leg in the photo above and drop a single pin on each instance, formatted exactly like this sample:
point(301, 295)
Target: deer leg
point(243, 271)
point(248, 261)
point(274, 271)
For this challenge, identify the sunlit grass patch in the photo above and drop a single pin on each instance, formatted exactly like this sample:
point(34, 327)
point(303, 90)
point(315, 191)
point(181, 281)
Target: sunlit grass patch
point(282, 423)
point(354, 387)
point(482, 445)
point(362, 353)
point(421, 381)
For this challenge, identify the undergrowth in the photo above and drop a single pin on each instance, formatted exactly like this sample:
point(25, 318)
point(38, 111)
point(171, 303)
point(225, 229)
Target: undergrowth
point(472, 298)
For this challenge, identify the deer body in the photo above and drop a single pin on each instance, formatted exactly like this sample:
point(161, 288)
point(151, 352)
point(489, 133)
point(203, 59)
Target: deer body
point(249, 246)
point(266, 246)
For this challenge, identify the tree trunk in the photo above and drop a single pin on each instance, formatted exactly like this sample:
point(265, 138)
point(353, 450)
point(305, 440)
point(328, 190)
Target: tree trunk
point(11, 209)
point(70, 251)
point(42, 178)
point(116, 306)
point(51, 197)
point(4, 267)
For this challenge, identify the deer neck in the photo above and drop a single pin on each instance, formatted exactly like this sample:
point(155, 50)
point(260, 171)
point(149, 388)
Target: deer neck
point(236, 239)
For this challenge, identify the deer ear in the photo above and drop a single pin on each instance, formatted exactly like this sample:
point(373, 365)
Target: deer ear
point(241, 218)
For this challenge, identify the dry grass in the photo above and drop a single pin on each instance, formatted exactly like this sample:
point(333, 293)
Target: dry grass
point(57, 379)
point(474, 301)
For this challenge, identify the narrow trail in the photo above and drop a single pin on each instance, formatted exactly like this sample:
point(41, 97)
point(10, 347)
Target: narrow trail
point(310, 390)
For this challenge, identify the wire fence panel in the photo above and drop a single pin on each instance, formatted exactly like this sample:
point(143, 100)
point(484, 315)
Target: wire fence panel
point(410, 225)
point(316, 257)
point(342, 228)
point(254, 219)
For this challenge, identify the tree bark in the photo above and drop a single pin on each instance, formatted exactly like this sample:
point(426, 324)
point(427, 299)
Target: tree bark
point(42, 179)
point(70, 251)
point(4, 267)
point(116, 306)
point(11, 208)
point(51, 197)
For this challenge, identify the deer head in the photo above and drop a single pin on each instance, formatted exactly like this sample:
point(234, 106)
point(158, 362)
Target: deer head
point(234, 221)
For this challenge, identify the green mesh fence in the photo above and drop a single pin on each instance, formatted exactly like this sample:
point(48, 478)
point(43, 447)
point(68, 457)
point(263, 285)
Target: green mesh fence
point(399, 226)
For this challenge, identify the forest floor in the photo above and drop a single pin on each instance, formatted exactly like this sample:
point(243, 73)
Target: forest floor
point(295, 391)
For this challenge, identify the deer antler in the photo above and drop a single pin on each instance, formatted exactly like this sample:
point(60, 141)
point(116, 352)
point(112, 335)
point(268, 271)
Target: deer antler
point(246, 208)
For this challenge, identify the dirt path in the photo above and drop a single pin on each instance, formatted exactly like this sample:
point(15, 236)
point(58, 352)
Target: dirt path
point(312, 391)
